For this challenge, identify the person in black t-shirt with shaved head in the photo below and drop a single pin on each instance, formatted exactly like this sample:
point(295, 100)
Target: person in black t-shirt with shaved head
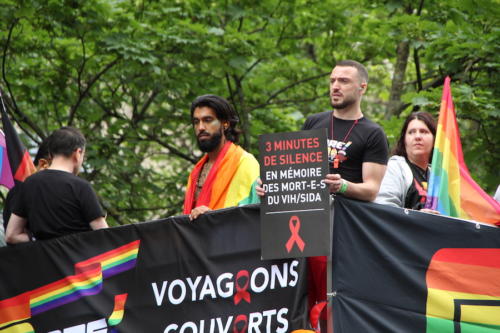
point(357, 147)
point(357, 151)
point(56, 202)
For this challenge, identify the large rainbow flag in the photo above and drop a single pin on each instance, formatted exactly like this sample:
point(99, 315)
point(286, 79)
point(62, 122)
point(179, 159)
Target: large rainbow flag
point(452, 191)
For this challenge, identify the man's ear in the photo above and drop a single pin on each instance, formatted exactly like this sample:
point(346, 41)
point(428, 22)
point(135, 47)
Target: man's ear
point(43, 164)
point(76, 153)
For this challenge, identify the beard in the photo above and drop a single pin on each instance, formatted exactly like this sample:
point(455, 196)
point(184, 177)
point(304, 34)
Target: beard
point(348, 101)
point(210, 144)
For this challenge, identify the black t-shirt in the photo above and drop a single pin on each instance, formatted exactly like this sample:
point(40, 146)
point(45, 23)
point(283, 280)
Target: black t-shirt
point(9, 203)
point(57, 203)
point(353, 142)
point(417, 193)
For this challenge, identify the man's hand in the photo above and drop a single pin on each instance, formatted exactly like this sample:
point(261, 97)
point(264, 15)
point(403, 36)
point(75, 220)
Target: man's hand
point(334, 182)
point(259, 189)
point(430, 211)
point(196, 212)
point(366, 191)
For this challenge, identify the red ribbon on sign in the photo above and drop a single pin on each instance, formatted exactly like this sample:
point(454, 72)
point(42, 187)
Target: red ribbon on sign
point(240, 319)
point(241, 291)
point(294, 225)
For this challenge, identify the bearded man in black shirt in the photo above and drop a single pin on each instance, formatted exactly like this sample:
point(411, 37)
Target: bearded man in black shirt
point(357, 151)
point(357, 147)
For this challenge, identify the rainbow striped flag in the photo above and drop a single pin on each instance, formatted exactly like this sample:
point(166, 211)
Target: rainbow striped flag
point(15, 158)
point(230, 182)
point(463, 292)
point(452, 191)
point(6, 178)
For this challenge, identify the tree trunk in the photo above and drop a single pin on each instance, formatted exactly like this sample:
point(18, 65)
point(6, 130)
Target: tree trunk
point(243, 114)
point(395, 105)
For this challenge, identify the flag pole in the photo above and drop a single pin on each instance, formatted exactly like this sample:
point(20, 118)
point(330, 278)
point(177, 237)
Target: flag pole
point(330, 292)
point(4, 108)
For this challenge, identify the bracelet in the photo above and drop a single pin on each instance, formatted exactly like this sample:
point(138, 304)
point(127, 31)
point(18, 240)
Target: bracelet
point(343, 187)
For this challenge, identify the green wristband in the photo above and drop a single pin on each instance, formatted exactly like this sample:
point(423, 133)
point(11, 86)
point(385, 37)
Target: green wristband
point(343, 187)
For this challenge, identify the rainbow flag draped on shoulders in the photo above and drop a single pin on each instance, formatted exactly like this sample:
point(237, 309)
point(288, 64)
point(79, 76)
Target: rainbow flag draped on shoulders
point(230, 182)
point(452, 191)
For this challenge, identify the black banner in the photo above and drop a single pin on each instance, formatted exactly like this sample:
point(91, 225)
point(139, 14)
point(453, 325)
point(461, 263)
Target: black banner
point(397, 270)
point(295, 211)
point(169, 275)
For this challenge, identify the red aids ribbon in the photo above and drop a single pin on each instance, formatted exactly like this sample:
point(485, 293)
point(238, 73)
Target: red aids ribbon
point(294, 225)
point(241, 291)
point(240, 319)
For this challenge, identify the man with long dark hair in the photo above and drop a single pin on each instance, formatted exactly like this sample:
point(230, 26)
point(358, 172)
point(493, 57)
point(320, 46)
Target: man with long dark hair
point(226, 175)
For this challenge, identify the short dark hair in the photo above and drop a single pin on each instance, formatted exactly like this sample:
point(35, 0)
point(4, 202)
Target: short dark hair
point(65, 141)
point(428, 120)
point(362, 72)
point(43, 152)
point(224, 112)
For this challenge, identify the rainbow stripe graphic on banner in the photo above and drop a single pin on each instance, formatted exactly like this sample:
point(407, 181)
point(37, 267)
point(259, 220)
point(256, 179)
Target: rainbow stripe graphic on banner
point(117, 315)
point(14, 309)
point(20, 328)
point(88, 279)
point(115, 261)
point(452, 191)
point(463, 291)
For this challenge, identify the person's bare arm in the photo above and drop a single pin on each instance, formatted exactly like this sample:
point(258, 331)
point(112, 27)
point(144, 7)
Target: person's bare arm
point(16, 230)
point(99, 223)
point(367, 190)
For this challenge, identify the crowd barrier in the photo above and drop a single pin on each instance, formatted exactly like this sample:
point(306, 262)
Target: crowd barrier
point(394, 270)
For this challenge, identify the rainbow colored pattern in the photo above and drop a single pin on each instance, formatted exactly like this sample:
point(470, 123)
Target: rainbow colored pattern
point(20, 328)
point(88, 279)
point(452, 191)
point(463, 291)
point(6, 178)
point(230, 182)
point(117, 315)
point(19, 159)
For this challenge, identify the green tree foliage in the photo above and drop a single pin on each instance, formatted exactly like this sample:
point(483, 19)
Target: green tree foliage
point(125, 73)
